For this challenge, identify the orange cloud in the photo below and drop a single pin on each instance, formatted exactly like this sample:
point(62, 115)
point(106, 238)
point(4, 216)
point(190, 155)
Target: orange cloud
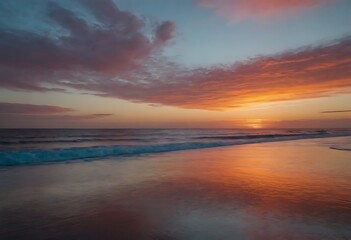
point(306, 73)
point(253, 9)
point(119, 60)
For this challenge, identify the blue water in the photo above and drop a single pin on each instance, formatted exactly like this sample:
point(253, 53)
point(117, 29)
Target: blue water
point(28, 146)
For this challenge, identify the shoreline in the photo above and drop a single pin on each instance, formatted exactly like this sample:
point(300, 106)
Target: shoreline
point(40, 156)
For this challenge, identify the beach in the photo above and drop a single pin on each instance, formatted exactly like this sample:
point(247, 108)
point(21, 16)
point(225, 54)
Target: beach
point(282, 190)
point(175, 120)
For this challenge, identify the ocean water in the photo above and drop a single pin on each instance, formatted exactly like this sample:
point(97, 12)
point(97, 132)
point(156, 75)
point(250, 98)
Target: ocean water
point(282, 190)
point(32, 146)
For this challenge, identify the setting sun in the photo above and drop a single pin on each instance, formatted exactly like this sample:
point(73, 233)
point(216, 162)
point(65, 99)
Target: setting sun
point(255, 123)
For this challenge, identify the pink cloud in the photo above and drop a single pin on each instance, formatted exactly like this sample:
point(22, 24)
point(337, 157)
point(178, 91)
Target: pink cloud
point(298, 74)
point(116, 44)
point(32, 115)
point(20, 108)
point(257, 9)
point(15, 109)
point(51, 121)
point(115, 58)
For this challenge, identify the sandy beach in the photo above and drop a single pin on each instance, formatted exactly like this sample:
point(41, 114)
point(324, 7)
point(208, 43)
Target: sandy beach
point(288, 190)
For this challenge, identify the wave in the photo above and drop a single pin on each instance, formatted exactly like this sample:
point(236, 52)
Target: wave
point(11, 142)
point(82, 139)
point(19, 157)
point(224, 137)
point(341, 148)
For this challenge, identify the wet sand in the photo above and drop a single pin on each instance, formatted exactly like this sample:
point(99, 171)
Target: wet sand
point(287, 190)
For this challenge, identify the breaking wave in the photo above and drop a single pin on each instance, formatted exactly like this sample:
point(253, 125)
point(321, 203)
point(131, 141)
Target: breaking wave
point(34, 156)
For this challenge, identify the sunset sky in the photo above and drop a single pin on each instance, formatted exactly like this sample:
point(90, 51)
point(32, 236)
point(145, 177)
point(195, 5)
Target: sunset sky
point(175, 63)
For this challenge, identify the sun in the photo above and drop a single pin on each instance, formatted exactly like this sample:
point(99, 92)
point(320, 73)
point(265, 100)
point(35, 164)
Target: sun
point(255, 123)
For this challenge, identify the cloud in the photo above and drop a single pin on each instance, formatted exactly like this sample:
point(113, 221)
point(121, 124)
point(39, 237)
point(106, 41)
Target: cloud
point(25, 112)
point(15, 109)
point(337, 111)
point(304, 73)
point(112, 56)
point(164, 32)
point(310, 123)
point(115, 44)
point(238, 10)
point(18, 108)
point(30, 115)
point(87, 116)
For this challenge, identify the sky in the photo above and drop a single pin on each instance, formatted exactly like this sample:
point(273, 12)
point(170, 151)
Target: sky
point(175, 64)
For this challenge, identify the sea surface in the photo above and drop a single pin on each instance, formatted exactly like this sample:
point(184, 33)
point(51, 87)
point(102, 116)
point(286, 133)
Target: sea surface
point(33, 146)
point(282, 190)
point(175, 184)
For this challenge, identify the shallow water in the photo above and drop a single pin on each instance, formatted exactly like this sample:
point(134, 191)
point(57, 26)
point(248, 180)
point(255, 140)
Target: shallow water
point(289, 190)
point(34, 146)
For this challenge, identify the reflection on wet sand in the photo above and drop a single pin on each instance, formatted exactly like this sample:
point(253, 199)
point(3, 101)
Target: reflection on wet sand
point(291, 190)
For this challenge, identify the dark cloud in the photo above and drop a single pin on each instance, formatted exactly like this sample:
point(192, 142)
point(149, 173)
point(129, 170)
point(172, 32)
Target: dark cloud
point(18, 108)
point(88, 116)
point(165, 32)
point(23, 114)
point(337, 111)
point(113, 46)
point(310, 123)
point(39, 116)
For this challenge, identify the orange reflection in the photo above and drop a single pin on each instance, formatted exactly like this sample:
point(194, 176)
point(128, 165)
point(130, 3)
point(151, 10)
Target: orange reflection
point(293, 179)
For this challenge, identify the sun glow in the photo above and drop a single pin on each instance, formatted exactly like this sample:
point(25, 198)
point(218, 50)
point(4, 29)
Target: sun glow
point(255, 123)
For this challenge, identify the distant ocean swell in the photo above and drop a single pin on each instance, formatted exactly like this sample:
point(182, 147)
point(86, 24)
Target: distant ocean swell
point(35, 156)
point(82, 139)
point(9, 142)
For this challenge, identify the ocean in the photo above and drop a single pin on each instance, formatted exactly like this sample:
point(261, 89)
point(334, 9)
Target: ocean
point(33, 146)
point(137, 184)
